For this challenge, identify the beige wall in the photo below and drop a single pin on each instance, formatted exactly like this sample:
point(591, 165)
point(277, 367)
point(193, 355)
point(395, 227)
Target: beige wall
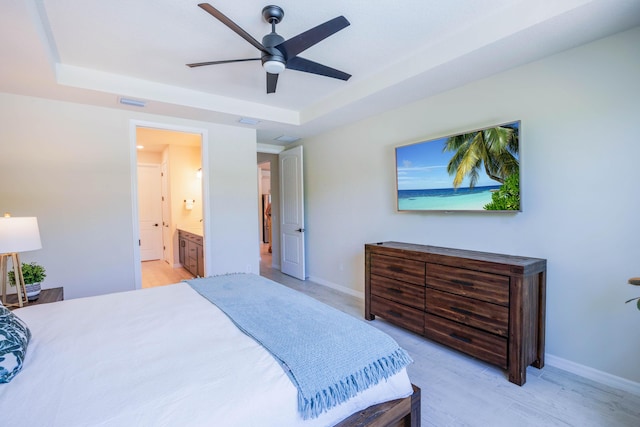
point(184, 184)
point(580, 113)
point(71, 166)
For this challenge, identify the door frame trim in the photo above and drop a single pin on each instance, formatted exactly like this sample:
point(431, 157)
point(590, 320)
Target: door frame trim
point(206, 202)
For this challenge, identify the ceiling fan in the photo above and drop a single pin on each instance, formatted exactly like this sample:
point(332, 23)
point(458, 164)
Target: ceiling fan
point(278, 53)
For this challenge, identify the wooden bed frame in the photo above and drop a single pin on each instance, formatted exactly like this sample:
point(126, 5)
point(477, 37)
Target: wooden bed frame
point(395, 413)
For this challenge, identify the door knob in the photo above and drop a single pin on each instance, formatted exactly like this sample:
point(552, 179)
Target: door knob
point(155, 225)
point(300, 230)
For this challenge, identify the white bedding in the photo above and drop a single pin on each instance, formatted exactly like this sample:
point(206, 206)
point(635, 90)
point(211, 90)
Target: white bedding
point(155, 357)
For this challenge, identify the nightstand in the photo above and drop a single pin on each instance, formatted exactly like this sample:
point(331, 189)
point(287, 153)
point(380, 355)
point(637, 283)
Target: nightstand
point(46, 296)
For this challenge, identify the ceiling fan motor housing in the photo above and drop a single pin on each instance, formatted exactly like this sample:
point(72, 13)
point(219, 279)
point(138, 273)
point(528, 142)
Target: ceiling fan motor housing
point(273, 62)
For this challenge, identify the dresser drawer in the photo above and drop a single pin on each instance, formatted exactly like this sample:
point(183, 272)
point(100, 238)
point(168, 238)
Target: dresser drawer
point(480, 314)
point(398, 314)
point(473, 284)
point(406, 270)
point(190, 237)
point(483, 345)
point(395, 290)
point(192, 266)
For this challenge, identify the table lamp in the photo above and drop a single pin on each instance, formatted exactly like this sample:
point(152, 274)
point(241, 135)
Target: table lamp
point(17, 234)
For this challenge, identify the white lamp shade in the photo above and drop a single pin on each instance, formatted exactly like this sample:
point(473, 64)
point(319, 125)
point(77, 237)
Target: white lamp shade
point(19, 234)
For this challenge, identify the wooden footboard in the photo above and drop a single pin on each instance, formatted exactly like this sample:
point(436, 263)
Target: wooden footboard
point(396, 413)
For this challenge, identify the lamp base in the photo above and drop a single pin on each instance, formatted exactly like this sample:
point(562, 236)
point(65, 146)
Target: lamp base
point(20, 286)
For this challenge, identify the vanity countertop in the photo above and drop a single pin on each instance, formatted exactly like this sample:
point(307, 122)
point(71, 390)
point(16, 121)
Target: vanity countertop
point(192, 229)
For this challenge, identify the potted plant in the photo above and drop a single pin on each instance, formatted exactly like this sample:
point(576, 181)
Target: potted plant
point(33, 274)
point(635, 281)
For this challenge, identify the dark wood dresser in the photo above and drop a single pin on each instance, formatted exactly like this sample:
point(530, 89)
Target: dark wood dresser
point(490, 306)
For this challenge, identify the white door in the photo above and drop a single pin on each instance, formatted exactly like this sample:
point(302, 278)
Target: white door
point(292, 257)
point(150, 211)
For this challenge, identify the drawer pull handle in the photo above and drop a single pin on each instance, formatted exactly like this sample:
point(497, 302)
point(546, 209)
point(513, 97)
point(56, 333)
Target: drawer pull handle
point(395, 313)
point(396, 269)
point(461, 311)
point(395, 291)
point(459, 338)
point(462, 282)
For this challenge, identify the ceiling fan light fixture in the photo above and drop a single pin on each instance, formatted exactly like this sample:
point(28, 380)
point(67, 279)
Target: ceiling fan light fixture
point(273, 67)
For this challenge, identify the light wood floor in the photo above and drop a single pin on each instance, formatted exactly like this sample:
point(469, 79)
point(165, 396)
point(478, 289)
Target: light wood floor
point(160, 273)
point(458, 390)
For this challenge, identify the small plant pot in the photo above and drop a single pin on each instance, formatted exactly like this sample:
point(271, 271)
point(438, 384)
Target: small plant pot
point(33, 291)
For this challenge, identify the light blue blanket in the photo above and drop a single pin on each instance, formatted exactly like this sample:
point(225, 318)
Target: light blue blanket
point(330, 356)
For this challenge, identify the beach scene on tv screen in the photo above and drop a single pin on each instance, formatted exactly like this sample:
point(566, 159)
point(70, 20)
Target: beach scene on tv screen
point(473, 171)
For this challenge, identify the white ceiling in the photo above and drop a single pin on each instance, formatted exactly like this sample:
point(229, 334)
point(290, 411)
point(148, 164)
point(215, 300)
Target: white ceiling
point(398, 52)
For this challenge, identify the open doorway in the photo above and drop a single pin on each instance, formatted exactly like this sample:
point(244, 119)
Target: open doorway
point(268, 192)
point(265, 214)
point(170, 203)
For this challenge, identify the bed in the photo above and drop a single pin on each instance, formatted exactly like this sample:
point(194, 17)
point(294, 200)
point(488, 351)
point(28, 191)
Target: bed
point(168, 356)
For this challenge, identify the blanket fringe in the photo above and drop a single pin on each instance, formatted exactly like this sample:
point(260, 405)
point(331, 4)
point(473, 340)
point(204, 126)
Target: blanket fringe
point(383, 368)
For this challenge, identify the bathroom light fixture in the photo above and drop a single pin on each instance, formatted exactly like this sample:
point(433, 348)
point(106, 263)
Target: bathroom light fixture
point(133, 102)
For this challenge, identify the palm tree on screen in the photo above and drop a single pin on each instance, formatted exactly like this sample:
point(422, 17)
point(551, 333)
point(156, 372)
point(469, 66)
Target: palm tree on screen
point(495, 149)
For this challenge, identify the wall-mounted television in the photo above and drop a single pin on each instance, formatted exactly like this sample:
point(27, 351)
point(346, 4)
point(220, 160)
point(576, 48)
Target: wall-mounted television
point(474, 171)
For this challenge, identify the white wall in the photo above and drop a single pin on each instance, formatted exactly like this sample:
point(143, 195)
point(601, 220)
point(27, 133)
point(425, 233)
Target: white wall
point(70, 165)
point(580, 113)
point(233, 182)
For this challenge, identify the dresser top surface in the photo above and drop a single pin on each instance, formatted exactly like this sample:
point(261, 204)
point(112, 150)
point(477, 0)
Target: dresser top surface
point(460, 253)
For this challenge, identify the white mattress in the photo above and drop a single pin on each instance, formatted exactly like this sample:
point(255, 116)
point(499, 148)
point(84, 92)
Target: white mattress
point(155, 357)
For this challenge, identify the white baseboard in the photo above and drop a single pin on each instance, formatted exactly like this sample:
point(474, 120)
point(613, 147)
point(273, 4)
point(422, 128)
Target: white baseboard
point(593, 374)
point(337, 287)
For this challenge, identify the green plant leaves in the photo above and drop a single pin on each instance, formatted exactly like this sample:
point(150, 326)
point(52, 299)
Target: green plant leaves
point(32, 273)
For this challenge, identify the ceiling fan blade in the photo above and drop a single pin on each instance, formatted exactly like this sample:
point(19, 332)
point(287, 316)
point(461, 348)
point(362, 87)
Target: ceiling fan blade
point(303, 41)
point(272, 81)
point(200, 64)
point(235, 27)
point(301, 64)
